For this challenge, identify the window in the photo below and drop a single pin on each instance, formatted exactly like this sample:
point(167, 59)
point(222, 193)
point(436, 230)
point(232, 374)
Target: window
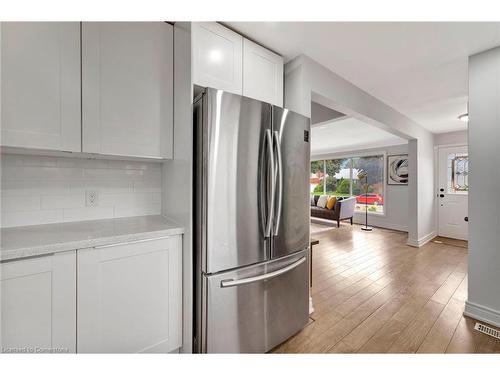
point(370, 190)
point(458, 173)
point(316, 180)
point(339, 177)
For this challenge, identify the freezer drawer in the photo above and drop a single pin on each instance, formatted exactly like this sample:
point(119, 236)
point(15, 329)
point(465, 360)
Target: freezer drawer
point(252, 310)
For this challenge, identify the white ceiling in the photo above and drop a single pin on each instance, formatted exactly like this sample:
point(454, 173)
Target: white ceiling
point(420, 69)
point(349, 134)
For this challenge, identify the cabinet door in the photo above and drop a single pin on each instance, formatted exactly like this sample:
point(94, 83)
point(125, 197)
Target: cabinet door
point(39, 304)
point(40, 85)
point(217, 57)
point(127, 88)
point(130, 297)
point(262, 74)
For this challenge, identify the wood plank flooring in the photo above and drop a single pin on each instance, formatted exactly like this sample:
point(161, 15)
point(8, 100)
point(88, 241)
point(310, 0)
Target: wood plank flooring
point(374, 294)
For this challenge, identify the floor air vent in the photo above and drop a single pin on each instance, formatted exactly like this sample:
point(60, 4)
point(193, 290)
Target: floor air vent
point(487, 330)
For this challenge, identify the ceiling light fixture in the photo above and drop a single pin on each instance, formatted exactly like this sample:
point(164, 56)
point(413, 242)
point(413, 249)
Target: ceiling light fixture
point(464, 117)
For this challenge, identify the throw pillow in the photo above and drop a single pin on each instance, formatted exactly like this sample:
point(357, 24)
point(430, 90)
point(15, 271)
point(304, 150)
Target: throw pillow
point(323, 199)
point(331, 202)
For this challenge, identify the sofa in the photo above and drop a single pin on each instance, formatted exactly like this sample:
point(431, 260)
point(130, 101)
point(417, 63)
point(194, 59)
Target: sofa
point(342, 210)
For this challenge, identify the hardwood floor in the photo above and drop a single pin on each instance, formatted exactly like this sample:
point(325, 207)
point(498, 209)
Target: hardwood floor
point(374, 294)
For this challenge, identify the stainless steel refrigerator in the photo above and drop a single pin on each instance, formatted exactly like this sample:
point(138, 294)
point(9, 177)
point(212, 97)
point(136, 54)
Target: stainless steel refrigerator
point(252, 163)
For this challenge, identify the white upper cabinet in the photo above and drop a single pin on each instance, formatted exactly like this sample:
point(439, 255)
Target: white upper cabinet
point(40, 85)
point(224, 60)
point(262, 74)
point(217, 57)
point(38, 303)
point(127, 88)
point(130, 297)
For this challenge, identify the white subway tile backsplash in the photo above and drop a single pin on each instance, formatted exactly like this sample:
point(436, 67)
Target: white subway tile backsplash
point(73, 200)
point(20, 218)
point(42, 190)
point(34, 187)
point(41, 173)
point(113, 186)
point(20, 203)
point(87, 213)
point(149, 209)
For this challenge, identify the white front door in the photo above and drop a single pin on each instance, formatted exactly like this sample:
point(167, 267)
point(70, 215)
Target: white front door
point(453, 192)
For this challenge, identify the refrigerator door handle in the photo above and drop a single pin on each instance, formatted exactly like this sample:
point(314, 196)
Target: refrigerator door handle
point(280, 183)
point(269, 137)
point(231, 282)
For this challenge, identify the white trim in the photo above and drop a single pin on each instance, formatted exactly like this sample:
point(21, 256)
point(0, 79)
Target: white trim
point(372, 145)
point(327, 122)
point(482, 313)
point(376, 151)
point(422, 240)
point(444, 145)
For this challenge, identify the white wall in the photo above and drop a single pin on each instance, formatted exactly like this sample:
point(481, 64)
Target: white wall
point(42, 190)
point(320, 113)
point(451, 138)
point(395, 198)
point(484, 183)
point(178, 173)
point(306, 81)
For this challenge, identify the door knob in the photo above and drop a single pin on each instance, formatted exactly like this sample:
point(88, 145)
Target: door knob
point(441, 195)
point(466, 218)
point(441, 189)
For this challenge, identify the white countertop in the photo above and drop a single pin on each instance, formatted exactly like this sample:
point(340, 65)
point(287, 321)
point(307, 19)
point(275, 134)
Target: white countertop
point(33, 240)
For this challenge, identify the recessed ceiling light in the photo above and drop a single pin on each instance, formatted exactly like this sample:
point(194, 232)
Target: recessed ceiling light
point(464, 117)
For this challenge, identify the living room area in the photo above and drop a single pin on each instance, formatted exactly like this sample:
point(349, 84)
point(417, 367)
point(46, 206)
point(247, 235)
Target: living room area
point(400, 286)
point(359, 173)
point(372, 290)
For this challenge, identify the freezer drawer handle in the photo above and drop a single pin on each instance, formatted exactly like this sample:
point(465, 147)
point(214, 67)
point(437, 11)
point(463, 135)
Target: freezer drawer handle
point(231, 282)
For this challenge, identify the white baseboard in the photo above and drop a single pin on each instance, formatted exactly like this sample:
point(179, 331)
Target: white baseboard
point(412, 242)
point(482, 313)
point(422, 240)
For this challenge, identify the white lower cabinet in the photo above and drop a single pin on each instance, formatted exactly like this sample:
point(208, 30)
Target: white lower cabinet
point(130, 297)
point(38, 304)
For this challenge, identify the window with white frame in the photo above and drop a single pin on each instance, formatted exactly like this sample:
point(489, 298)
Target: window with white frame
point(339, 177)
point(458, 173)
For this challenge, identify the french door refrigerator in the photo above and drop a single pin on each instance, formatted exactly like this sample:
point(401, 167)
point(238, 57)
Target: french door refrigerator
point(252, 163)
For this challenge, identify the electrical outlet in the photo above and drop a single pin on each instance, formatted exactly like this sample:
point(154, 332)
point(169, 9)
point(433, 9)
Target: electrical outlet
point(91, 198)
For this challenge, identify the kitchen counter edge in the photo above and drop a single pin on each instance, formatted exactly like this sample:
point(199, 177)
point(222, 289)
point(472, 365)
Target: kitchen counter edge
point(130, 234)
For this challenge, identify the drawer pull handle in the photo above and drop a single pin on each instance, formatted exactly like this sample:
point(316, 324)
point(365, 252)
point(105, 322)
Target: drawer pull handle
point(231, 282)
point(130, 242)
